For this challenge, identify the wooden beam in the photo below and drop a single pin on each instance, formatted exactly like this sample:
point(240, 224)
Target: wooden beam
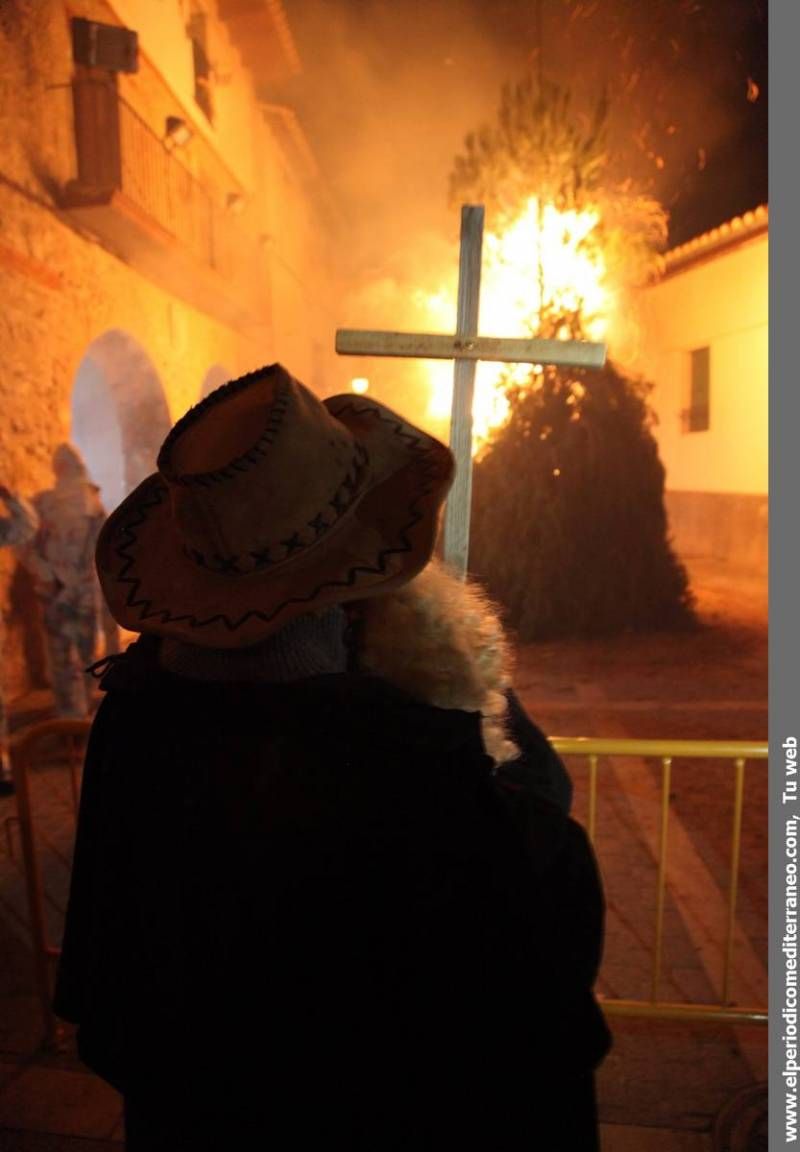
point(434, 346)
point(465, 348)
point(458, 509)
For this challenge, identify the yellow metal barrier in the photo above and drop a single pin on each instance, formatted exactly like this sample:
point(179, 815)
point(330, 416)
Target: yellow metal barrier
point(26, 746)
point(737, 751)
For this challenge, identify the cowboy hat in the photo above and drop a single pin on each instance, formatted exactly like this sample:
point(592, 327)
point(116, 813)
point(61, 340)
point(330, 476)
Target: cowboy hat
point(269, 503)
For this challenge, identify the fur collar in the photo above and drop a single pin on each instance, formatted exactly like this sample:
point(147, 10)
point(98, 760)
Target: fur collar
point(437, 639)
point(440, 639)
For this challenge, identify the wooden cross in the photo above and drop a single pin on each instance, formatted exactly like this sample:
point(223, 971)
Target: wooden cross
point(466, 347)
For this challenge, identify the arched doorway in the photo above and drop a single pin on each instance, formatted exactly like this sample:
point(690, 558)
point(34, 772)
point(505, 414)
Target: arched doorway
point(214, 378)
point(119, 414)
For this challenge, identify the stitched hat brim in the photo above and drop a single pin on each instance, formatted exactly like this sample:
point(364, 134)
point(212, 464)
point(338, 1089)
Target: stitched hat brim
point(152, 584)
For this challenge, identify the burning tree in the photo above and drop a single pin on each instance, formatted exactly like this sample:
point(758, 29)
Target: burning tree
point(569, 529)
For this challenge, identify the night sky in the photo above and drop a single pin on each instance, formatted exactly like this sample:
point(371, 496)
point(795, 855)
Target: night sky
point(391, 88)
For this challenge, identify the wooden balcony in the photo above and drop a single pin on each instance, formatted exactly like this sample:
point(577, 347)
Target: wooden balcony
point(139, 200)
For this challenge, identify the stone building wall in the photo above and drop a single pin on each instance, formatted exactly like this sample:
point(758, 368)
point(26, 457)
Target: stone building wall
point(61, 292)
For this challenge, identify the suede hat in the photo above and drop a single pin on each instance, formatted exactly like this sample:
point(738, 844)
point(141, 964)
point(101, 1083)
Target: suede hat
point(269, 503)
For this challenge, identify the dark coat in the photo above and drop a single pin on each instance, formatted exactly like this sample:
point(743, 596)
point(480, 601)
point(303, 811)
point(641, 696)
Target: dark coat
point(313, 908)
point(538, 768)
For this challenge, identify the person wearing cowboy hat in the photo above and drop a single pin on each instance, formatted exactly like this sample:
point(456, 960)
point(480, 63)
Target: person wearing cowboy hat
point(329, 914)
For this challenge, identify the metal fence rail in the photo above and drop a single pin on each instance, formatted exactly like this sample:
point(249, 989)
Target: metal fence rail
point(28, 746)
point(666, 751)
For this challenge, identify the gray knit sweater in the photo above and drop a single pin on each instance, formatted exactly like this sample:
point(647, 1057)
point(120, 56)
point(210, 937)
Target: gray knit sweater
point(307, 646)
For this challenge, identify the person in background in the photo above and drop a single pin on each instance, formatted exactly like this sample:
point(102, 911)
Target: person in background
point(18, 525)
point(61, 560)
point(331, 919)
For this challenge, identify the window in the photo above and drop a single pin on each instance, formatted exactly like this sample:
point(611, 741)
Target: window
point(197, 30)
point(697, 417)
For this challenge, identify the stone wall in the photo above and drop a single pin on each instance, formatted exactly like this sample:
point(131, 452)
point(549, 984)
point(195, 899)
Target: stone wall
point(60, 291)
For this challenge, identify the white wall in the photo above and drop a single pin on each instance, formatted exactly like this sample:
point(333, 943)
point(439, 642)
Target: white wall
point(722, 302)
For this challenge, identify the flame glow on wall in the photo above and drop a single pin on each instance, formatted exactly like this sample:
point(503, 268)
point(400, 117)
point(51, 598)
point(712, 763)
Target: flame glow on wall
point(543, 256)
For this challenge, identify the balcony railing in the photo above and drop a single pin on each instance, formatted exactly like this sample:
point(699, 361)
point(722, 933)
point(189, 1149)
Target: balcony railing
point(148, 207)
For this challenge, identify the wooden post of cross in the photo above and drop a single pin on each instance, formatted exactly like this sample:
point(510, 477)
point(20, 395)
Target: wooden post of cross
point(466, 347)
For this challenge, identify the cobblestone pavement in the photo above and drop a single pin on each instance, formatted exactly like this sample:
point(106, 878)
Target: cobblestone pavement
point(702, 686)
point(663, 1083)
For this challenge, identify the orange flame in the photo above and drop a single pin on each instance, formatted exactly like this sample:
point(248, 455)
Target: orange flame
point(542, 258)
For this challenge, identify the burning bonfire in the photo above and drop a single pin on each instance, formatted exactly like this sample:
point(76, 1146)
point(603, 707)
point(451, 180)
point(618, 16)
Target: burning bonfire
point(569, 529)
point(544, 264)
point(564, 246)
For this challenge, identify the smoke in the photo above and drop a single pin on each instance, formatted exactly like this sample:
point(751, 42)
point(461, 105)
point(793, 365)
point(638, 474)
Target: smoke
point(391, 87)
point(388, 93)
point(688, 86)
